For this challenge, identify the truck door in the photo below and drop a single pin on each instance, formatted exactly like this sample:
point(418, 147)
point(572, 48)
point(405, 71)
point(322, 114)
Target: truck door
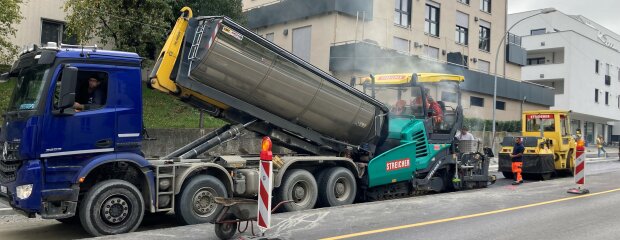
point(90, 130)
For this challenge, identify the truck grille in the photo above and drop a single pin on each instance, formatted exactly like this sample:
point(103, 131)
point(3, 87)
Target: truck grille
point(420, 146)
point(9, 161)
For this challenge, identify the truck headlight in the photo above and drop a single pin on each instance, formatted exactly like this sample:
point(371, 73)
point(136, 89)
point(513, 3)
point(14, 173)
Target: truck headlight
point(23, 191)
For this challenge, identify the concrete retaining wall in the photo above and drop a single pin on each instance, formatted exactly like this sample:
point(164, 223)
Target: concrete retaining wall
point(168, 140)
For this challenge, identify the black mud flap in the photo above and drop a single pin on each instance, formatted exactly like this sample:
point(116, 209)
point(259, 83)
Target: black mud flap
point(532, 164)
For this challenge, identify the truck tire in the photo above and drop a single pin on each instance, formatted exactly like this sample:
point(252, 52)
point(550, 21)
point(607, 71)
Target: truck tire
point(196, 202)
point(111, 207)
point(337, 187)
point(299, 186)
point(508, 175)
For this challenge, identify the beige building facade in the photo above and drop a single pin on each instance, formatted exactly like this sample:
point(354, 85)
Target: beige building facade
point(455, 36)
point(43, 21)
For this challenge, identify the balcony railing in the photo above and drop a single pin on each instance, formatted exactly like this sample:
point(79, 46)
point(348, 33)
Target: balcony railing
point(544, 72)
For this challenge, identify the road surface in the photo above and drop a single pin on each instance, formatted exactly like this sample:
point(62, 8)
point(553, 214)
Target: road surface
point(501, 211)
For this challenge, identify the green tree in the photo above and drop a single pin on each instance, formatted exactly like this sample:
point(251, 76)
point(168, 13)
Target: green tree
point(229, 8)
point(137, 25)
point(130, 25)
point(9, 16)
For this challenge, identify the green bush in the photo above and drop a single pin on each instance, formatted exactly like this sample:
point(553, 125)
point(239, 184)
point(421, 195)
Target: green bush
point(476, 124)
point(4, 68)
point(5, 95)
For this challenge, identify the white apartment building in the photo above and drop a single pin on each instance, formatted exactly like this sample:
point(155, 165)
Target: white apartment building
point(581, 60)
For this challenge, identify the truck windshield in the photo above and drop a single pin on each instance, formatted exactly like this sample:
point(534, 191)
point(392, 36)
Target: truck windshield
point(29, 88)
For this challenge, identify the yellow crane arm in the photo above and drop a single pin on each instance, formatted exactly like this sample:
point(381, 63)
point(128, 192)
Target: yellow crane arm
point(160, 76)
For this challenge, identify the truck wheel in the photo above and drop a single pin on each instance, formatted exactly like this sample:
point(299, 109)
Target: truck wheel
point(300, 186)
point(111, 207)
point(508, 175)
point(337, 187)
point(225, 230)
point(196, 202)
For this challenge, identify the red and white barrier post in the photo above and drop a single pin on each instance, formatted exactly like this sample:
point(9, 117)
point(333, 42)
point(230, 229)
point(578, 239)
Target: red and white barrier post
point(580, 170)
point(264, 193)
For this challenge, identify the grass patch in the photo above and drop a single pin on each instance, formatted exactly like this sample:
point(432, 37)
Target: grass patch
point(165, 111)
point(160, 110)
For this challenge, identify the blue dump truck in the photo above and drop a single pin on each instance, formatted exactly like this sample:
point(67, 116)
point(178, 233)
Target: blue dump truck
point(71, 136)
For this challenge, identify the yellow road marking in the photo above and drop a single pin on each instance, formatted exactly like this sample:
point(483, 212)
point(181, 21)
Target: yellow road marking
point(465, 216)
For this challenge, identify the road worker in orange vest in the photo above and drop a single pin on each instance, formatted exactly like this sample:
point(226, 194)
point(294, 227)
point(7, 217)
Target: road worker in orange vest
point(517, 160)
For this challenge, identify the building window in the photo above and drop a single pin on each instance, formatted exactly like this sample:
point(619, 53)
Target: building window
point(463, 1)
point(431, 52)
point(402, 11)
point(401, 45)
point(449, 97)
point(535, 61)
point(485, 5)
point(485, 36)
point(462, 28)
point(302, 42)
point(52, 31)
point(476, 101)
point(484, 66)
point(606, 98)
point(538, 31)
point(596, 66)
point(596, 95)
point(500, 105)
point(607, 67)
point(461, 35)
point(432, 19)
point(269, 37)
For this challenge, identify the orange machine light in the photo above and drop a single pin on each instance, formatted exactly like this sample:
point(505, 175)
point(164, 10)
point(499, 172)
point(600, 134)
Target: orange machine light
point(82, 179)
point(265, 153)
point(266, 145)
point(581, 145)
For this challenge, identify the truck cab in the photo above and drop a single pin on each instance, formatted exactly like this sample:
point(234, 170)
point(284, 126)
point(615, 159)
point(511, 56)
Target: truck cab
point(48, 145)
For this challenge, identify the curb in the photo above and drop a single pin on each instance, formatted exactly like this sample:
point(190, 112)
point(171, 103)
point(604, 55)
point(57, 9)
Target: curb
point(7, 211)
point(495, 166)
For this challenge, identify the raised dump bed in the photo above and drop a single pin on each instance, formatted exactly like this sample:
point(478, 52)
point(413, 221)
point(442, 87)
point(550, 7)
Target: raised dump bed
point(228, 66)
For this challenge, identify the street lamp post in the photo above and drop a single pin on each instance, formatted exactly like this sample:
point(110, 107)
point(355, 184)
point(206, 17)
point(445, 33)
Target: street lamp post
point(543, 11)
point(523, 101)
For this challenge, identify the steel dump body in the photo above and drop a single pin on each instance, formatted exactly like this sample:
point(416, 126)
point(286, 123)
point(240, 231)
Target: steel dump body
point(231, 65)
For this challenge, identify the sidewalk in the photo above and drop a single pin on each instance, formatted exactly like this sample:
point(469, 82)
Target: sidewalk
point(592, 152)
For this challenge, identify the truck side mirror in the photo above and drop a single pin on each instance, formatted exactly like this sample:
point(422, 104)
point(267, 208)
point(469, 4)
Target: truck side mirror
point(67, 88)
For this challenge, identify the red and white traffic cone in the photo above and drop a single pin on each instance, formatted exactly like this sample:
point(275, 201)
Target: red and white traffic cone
point(580, 170)
point(264, 193)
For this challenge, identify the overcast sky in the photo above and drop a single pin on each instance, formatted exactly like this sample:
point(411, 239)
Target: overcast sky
point(603, 12)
